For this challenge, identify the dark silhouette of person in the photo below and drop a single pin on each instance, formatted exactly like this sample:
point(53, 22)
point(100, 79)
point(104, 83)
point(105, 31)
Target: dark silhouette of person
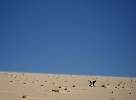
point(91, 83)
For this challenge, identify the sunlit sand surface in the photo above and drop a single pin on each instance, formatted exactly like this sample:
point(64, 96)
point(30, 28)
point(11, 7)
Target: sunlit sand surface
point(32, 86)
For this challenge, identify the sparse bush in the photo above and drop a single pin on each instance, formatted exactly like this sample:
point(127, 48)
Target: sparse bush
point(115, 86)
point(73, 86)
point(112, 92)
point(103, 86)
point(23, 96)
point(118, 84)
point(59, 86)
point(11, 81)
point(55, 91)
point(129, 93)
point(65, 89)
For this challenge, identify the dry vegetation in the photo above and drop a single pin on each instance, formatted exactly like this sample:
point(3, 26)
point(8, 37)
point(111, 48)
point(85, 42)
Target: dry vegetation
point(65, 87)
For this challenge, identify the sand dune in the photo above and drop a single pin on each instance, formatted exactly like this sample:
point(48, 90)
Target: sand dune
point(32, 86)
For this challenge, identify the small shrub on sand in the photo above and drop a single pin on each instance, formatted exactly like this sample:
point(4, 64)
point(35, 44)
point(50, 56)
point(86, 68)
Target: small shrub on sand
point(23, 96)
point(115, 86)
point(103, 86)
point(118, 84)
point(65, 89)
point(11, 81)
point(59, 86)
point(73, 86)
point(111, 92)
point(123, 86)
point(24, 83)
point(129, 93)
point(55, 90)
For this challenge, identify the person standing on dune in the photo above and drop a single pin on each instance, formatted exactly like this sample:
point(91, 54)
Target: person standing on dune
point(91, 83)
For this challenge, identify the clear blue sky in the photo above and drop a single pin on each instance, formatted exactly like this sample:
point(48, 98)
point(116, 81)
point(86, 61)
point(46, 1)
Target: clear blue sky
point(95, 37)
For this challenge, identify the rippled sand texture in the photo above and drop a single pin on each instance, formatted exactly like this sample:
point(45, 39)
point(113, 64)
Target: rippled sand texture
point(32, 86)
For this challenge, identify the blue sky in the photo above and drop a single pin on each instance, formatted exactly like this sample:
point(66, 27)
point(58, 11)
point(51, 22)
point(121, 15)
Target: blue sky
point(95, 37)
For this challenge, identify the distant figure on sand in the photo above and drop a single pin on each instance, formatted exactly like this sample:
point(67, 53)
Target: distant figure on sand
point(91, 83)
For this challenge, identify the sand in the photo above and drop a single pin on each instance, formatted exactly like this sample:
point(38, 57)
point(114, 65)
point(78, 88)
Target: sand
point(33, 86)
